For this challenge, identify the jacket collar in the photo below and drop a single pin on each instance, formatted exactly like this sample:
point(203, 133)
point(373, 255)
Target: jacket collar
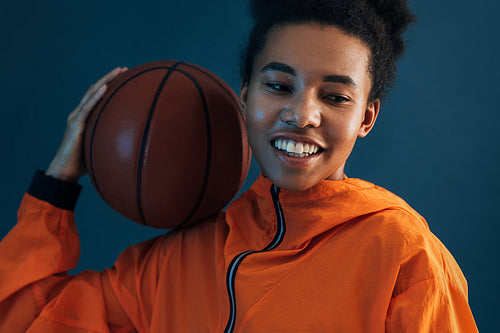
point(325, 207)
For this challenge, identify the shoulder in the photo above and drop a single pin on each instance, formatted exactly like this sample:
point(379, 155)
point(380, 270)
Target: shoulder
point(403, 235)
point(423, 256)
point(387, 213)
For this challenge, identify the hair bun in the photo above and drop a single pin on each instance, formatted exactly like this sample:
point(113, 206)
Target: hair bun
point(397, 17)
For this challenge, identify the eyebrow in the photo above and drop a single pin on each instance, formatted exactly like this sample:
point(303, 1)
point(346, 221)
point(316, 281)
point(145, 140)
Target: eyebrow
point(344, 79)
point(280, 67)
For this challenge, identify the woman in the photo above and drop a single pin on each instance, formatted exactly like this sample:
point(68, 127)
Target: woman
point(306, 249)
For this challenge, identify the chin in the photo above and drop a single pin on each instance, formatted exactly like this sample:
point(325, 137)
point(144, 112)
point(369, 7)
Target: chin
point(297, 182)
point(293, 183)
point(296, 187)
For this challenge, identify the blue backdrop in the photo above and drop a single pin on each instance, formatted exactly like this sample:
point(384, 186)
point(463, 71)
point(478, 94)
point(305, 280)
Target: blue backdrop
point(436, 142)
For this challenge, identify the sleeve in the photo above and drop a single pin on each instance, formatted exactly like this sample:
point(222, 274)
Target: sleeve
point(431, 305)
point(430, 296)
point(36, 293)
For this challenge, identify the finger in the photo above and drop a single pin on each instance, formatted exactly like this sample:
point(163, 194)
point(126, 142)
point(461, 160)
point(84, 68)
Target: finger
point(108, 77)
point(92, 101)
point(96, 86)
point(79, 115)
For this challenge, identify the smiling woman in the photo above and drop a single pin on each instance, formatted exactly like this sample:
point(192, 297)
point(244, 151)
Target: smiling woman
point(306, 249)
point(309, 86)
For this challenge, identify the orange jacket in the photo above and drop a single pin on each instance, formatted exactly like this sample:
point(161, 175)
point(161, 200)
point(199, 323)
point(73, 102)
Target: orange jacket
point(344, 256)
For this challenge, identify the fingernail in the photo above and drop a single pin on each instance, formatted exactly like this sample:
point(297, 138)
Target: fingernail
point(101, 89)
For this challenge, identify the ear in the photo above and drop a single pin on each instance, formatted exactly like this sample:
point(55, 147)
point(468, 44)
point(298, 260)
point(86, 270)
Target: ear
point(371, 113)
point(243, 95)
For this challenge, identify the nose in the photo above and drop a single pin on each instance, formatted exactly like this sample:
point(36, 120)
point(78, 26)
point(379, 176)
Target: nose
point(303, 112)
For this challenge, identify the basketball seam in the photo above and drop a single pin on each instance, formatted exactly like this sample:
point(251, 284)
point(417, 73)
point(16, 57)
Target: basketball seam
point(218, 83)
point(209, 147)
point(145, 136)
point(91, 148)
point(240, 114)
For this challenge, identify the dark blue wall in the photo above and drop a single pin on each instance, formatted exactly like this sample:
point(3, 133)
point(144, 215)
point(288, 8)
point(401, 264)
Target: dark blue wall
point(436, 142)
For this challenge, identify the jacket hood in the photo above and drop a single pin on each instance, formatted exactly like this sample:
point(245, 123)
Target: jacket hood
point(307, 213)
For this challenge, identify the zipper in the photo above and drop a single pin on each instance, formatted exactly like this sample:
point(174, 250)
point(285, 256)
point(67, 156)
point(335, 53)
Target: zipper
point(235, 263)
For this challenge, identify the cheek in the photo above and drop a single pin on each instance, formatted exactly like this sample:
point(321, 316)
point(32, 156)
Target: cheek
point(343, 132)
point(255, 119)
point(343, 128)
point(353, 129)
point(258, 118)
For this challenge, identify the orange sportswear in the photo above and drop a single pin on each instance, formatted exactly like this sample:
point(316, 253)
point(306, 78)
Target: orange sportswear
point(343, 256)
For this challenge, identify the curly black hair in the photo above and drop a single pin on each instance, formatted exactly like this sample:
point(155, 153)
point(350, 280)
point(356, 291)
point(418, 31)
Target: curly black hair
point(378, 23)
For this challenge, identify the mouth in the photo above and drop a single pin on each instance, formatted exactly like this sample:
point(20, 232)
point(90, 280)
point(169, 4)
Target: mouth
point(297, 149)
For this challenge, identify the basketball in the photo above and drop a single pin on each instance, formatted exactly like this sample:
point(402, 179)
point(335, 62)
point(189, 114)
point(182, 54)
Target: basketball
point(166, 146)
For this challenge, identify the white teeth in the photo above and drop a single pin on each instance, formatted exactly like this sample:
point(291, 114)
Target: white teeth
point(297, 155)
point(298, 149)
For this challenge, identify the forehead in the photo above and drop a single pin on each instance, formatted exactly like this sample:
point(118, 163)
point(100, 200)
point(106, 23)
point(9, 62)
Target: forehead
point(316, 50)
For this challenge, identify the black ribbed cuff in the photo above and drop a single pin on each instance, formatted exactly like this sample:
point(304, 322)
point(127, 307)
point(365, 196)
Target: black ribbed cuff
point(57, 192)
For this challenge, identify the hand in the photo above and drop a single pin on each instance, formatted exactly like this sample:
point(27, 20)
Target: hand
point(68, 163)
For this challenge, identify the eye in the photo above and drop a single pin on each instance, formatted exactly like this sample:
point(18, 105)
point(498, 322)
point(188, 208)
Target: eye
point(279, 88)
point(337, 99)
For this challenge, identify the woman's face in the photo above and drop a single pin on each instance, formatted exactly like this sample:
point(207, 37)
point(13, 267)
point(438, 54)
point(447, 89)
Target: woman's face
point(306, 103)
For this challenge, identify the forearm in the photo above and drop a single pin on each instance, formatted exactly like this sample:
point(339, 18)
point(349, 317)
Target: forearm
point(36, 294)
point(43, 243)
